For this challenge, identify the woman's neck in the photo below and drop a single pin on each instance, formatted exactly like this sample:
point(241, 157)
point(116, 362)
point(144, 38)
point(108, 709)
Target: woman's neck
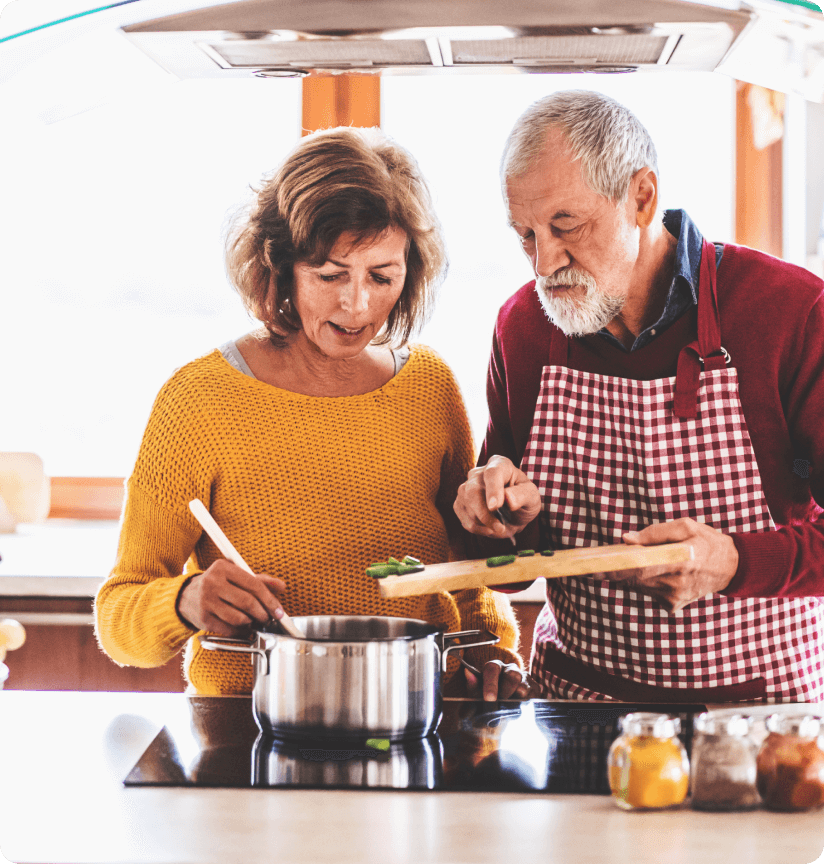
point(300, 367)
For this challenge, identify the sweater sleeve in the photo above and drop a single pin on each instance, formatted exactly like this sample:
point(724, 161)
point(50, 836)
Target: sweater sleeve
point(136, 620)
point(789, 562)
point(479, 609)
point(135, 609)
point(499, 438)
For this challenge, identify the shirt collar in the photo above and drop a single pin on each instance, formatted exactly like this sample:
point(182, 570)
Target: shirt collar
point(683, 290)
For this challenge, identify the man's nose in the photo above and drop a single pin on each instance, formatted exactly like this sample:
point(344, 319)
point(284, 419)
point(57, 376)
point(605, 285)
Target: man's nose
point(550, 255)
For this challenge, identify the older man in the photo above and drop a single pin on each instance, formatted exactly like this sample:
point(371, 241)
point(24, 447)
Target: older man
point(650, 387)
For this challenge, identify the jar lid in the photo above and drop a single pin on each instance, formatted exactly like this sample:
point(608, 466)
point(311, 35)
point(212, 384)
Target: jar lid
point(644, 723)
point(723, 723)
point(803, 725)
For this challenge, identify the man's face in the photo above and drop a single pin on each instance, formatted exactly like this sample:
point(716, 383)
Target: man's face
point(582, 247)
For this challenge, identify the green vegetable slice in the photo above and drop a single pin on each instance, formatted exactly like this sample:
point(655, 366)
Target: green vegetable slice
point(526, 553)
point(500, 560)
point(412, 561)
point(378, 743)
point(380, 571)
point(548, 553)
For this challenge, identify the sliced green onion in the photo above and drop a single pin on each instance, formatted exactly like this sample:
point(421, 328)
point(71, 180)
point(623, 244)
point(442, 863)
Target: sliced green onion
point(548, 552)
point(413, 561)
point(500, 560)
point(403, 569)
point(378, 743)
point(526, 553)
point(382, 570)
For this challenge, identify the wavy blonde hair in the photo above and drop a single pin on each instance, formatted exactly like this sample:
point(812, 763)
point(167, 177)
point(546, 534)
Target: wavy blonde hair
point(336, 180)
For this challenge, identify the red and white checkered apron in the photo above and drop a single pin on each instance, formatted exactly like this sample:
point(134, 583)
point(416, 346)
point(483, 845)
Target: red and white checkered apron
point(611, 455)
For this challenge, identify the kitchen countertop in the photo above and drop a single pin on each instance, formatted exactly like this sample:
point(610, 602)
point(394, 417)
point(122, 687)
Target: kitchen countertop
point(63, 757)
point(57, 558)
point(71, 557)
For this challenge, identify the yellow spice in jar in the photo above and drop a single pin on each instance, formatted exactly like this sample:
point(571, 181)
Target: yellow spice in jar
point(648, 772)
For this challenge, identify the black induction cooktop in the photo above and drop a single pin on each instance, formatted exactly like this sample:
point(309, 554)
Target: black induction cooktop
point(533, 746)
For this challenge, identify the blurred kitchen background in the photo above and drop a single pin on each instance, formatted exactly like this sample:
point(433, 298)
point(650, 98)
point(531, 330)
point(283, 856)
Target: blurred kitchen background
point(117, 177)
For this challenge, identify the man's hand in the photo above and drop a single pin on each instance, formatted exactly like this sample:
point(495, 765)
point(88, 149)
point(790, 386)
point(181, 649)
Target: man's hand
point(499, 681)
point(714, 563)
point(486, 489)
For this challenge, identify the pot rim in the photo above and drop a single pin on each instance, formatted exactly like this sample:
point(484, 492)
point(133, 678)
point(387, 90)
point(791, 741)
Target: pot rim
point(428, 630)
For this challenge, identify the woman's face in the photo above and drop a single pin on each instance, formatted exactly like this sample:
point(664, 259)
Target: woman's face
point(344, 302)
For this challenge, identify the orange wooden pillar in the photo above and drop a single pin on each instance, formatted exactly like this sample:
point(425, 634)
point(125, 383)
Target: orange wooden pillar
point(759, 168)
point(340, 100)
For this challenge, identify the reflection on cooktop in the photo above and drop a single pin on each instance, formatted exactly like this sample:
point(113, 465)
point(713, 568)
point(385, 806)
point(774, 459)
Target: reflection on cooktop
point(533, 746)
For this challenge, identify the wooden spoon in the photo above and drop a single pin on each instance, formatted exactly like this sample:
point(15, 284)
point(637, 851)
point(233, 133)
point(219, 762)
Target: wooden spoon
point(207, 522)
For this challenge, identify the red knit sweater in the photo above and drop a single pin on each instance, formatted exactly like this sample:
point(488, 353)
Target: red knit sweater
point(772, 325)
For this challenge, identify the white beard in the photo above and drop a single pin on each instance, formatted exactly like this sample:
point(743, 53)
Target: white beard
point(577, 316)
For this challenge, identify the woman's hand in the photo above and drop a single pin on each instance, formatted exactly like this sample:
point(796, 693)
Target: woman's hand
point(499, 681)
point(224, 599)
point(486, 489)
point(714, 563)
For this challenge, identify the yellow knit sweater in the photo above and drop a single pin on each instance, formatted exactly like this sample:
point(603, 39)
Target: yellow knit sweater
point(309, 489)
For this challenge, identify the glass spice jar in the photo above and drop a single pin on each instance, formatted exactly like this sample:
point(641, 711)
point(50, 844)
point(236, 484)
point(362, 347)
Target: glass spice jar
point(723, 763)
point(648, 766)
point(791, 763)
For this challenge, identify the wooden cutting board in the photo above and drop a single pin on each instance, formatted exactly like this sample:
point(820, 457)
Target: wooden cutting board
point(458, 575)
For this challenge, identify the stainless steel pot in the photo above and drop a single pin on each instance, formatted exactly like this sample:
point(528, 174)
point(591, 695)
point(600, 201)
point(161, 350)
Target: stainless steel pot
point(353, 676)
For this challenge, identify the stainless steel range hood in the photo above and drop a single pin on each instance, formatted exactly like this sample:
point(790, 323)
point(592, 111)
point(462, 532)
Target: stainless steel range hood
point(272, 38)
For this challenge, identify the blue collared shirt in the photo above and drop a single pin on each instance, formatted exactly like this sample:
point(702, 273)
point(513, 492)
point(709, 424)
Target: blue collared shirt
point(683, 292)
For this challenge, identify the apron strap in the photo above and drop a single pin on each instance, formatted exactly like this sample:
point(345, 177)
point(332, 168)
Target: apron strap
point(705, 351)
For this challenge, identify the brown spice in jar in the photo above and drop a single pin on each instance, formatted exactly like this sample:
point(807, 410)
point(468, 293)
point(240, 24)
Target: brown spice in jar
point(723, 794)
point(791, 773)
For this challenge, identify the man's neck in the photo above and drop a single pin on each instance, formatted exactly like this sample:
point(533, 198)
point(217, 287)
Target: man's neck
point(652, 278)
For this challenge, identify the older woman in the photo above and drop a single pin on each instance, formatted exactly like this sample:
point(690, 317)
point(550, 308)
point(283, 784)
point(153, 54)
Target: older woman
point(320, 443)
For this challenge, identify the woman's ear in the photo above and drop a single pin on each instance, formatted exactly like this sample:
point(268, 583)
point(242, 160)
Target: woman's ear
point(644, 192)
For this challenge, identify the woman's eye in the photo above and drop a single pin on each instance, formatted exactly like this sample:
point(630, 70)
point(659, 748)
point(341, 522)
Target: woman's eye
point(328, 277)
point(382, 280)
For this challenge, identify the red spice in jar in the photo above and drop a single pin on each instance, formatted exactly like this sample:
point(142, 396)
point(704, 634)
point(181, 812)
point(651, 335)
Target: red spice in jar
point(790, 764)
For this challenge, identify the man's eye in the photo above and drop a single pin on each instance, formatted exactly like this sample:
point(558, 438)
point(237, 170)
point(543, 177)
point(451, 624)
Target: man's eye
point(525, 238)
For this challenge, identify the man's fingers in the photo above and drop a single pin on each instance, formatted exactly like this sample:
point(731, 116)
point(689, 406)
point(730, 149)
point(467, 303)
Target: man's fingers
point(497, 475)
point(662, 532)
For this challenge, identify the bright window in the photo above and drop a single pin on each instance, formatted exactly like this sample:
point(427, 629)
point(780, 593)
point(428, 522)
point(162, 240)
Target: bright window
point(110, 233)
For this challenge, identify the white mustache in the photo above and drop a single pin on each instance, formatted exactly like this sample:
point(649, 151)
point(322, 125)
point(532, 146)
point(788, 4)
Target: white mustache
point(571, 277)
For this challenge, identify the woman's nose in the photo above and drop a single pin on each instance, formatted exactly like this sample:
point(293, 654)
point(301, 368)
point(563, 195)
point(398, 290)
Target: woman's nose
point(355, 295)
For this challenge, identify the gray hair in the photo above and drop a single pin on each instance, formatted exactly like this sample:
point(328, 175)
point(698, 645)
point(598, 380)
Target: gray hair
point(607, 138)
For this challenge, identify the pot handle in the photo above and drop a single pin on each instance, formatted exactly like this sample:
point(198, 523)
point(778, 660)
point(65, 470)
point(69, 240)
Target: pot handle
point(240, 646)
point(491, 639)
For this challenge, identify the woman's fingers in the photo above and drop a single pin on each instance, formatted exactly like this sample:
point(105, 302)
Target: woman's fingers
point(225, 598)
